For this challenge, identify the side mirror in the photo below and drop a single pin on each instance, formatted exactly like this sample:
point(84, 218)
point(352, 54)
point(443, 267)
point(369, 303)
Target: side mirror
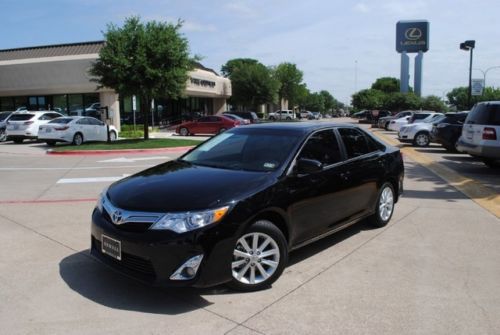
point(408, 118)
point(305, 166)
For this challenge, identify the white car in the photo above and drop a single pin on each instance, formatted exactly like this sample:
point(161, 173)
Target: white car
point(481, 133)
point(24, 125)
point(286, 114)
point(76, 130)
point(416, 117)
point(419, 134)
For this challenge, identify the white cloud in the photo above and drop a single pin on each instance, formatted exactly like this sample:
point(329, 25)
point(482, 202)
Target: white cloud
point(198, 27)
point(240, 8)
point(361, 7)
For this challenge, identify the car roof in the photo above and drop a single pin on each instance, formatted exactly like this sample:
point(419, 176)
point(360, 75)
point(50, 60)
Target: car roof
point(303, 127)
point(496, 102)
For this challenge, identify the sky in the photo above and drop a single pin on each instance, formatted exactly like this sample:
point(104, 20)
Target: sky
point(341, 46)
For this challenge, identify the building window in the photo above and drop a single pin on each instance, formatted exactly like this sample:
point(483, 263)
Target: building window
point(75, 102)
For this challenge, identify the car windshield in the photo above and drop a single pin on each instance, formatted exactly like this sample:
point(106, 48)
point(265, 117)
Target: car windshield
point(62, 120)
point(252, 150)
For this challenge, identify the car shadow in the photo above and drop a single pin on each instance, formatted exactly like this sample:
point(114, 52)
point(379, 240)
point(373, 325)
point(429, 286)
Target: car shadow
point(100, 284)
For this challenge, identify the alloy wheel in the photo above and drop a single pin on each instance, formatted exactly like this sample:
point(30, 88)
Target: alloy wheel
point(386, 204)
point(255, 258)
point(184, 132)
point(78, 139)
point(422, 140)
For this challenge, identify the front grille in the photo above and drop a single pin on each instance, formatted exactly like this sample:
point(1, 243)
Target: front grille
point(135, 227)
point(140, 267)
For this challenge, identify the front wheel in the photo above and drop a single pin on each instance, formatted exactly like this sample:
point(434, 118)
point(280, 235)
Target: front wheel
point(112, 136)
point(385, 206)
point(421, 140)
point(3, 135)
point(259, 257)
point(184, 131)
point(77, 139)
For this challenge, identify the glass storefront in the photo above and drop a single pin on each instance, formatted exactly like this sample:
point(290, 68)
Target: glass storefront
point(167, 112)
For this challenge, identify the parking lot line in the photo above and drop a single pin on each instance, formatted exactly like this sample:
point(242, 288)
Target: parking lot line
point(480, 194)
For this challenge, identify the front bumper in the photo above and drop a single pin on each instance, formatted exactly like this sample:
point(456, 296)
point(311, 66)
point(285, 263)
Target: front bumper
point(152, 256)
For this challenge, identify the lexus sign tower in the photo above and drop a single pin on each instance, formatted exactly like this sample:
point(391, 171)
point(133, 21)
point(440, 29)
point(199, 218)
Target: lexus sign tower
point(412, 37)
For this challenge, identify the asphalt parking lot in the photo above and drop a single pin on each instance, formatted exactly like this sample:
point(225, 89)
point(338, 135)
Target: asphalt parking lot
point(433, 270)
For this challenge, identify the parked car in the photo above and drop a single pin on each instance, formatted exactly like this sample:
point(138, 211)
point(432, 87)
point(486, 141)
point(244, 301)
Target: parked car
point(230, 210)
point(213, 124)
point(306, 115)
point(282, 115)
point(416, 117)
point(360, 115)
point(419, 134)
point(448, 130)
point(481, 133)
point(251, 116)
point(237, 118)
point(75, 130)
point(383, 122)
point(317, 115)
point(4, 117)
point(24, 125)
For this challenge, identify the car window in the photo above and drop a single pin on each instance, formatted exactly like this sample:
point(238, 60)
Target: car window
point(323, 147)
point(62, 120)
point(21, 117)
point(214, 119)
point(420, 116)
point(356, 143)
point(3, 116)
point(484, 114)
point(94, 121)
point(204, 119)
point(83, 121)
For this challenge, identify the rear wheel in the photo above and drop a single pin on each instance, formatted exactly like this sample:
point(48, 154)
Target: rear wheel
point(259, 257)
point(78, 139)
point(184, 131)
point(421, 139)
point(385, 206)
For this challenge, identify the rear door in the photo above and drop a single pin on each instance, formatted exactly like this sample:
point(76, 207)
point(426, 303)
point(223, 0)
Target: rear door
point(83, 127)
point(365, 170)
point(98, 129)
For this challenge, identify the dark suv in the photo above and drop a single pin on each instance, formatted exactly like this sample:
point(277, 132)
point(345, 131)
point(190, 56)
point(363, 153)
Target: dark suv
point(448, 130)
point(252, 116)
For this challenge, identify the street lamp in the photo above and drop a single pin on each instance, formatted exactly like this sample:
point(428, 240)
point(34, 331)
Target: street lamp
point(469, 46)
point(486, 72)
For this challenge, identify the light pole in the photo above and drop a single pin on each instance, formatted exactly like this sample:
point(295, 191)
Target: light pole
point(469, 46)
point(486, 72)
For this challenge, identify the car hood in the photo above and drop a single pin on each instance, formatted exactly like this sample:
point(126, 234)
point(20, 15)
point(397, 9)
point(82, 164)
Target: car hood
point(181, 186)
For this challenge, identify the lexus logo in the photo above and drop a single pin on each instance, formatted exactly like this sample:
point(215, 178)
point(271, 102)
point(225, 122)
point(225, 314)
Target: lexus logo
point(413, 34)
point(116, 217)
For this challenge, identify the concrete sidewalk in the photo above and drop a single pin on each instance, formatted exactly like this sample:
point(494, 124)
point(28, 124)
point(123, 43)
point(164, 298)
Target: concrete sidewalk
point(432, 270)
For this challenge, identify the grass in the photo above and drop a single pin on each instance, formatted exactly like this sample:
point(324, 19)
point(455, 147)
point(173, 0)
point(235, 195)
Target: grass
point(130, 144)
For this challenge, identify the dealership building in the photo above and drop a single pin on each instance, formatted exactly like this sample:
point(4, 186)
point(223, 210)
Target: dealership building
point(55, 77)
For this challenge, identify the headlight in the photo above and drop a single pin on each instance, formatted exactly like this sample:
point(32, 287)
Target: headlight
point(187, 221)
point(100, 200)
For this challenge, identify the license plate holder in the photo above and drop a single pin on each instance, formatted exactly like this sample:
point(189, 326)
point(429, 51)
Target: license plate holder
point(111, 247)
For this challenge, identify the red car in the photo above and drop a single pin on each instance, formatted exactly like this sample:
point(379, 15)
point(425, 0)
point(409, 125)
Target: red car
point(206, 125)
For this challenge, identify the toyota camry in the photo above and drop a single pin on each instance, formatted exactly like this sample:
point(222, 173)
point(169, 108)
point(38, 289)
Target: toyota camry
point(231, 209)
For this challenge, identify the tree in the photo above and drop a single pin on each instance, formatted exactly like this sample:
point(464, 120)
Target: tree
point(228, 68)
point(315, 102)
point(289, 78)
point(147, 59)
point(301, 97)
point(401, 101)
point(458, 96)
point(434, 103)
point(368, 99)
point(386, 85)
point(252, 83)
point(330, 102)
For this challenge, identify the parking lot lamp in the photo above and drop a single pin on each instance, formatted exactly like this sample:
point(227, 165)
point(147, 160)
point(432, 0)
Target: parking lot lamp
point(469, 46)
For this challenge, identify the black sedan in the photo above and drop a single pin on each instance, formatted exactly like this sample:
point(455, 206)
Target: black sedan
point(231, 209)
point(448, 130)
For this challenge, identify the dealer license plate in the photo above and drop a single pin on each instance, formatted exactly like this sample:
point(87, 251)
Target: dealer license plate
point(111, 247)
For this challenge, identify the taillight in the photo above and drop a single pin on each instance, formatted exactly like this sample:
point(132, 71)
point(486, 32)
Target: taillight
point(489, 134)
point(61, 128)
point(28, 122)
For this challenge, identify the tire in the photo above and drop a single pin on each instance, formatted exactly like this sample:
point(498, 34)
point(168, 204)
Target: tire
point(272, 118)
point(18, 140)
point(288, 118)
point(3, 135)
point(384, 206)
point(112, 136)
point(249, 260)
point(51, 143)
point(78, 139)
point(422, 139)
point(222, 130)
point(386, 126)
point(184, 131)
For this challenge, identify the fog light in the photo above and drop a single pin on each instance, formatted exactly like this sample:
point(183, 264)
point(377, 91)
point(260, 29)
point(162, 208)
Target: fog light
point(188, 270)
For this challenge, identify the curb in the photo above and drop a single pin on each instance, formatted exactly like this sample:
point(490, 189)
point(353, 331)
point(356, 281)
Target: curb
point(114, 152)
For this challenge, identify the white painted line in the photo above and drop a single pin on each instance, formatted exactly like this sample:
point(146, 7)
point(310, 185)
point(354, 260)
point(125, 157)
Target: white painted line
point(90, 180)
point(77, 168)
point(131, 160)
